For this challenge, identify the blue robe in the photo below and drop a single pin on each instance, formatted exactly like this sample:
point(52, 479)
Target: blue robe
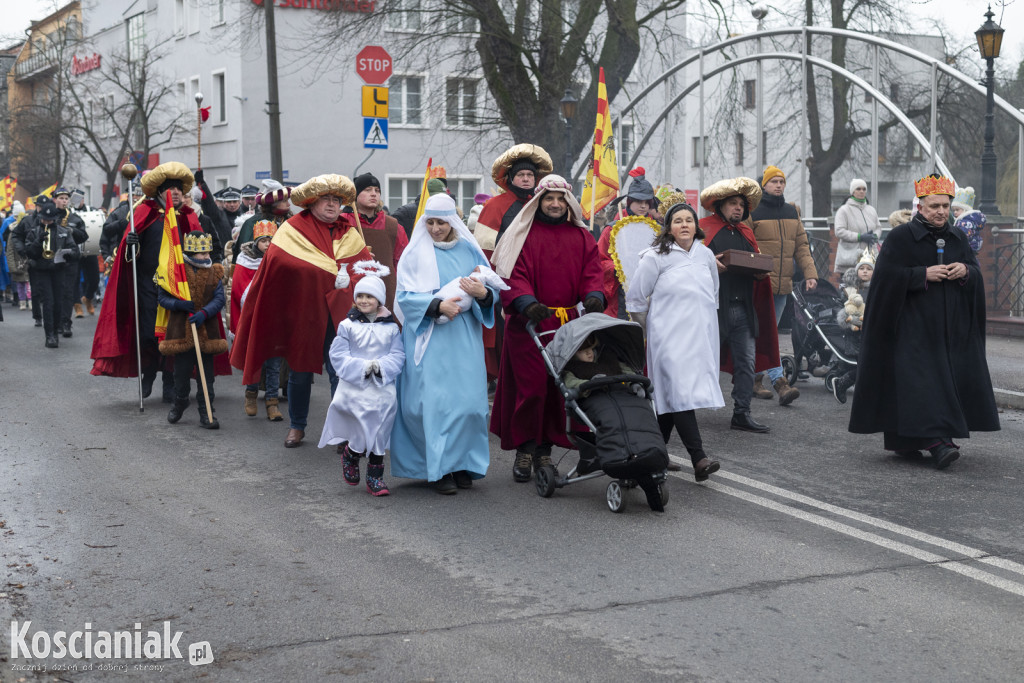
point(442, 402)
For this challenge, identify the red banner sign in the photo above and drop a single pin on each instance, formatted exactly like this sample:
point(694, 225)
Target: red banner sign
point(85, 64)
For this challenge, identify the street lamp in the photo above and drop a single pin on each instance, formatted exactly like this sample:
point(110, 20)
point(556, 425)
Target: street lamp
point(990, 39)
point(568, 104)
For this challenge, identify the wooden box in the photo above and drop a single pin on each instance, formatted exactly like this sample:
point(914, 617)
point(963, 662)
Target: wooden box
point(748, 262)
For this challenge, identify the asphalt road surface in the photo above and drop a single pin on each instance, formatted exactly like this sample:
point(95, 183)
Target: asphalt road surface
point(811, 556)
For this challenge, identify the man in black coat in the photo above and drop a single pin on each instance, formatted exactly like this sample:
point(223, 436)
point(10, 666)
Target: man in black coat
point(76, 226)
point(922, 375)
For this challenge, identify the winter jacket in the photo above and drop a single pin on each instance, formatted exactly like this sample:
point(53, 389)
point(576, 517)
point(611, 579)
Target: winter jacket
point(780, 232)
point(972, 223)
point(853, 221)
point(28, 238)
point(207, 292)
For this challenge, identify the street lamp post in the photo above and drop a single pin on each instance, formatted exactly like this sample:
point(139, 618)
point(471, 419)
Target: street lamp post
point(568, 104)
point(990, 38)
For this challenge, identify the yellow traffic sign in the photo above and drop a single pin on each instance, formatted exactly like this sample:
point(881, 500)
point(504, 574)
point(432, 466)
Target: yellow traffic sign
point(375, 101)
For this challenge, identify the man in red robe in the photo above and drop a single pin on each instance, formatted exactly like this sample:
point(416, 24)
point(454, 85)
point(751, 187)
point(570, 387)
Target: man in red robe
point(550, 261)
point(746, 308)
point(301, 293)
point(517, 171)
point(385, 238)
point(113, 346)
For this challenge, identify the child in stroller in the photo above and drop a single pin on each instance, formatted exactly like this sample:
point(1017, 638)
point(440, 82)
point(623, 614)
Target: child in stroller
point(597, 361)
point(856, 283)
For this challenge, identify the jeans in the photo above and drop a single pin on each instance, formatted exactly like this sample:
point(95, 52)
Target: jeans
point(740, 340)
point(272, 368)
point(300, 383)
point(780, 308)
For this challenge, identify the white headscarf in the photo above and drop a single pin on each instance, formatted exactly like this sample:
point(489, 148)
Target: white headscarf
point(417, 270)
point(507, 252)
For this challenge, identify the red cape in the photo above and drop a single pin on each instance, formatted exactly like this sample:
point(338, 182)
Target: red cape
point(292, 300)
point(611, 280)
point(240, 279)
point(113, 345)
point(766, 345)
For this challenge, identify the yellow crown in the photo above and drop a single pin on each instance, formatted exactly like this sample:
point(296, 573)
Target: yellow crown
point(198, 243)
point(263, 229)
point(934, 184)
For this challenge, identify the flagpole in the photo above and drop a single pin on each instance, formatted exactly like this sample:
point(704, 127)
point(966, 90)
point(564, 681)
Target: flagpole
point(128, 172)
point(593, 191)
point(202, 373)
point(199, 130)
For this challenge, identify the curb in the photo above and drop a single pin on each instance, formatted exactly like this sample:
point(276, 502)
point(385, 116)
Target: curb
point(1006, 398)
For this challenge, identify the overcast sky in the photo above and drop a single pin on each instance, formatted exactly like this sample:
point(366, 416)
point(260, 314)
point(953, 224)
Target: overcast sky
point(961, 17)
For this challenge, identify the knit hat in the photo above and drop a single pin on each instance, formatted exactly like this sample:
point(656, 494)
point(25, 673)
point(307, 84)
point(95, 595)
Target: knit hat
point(856, 183)
point(364, 181)
point(371, 282)
point(435, 186)
point(771, 172)
point(524, 164)
point(640, 189)
point(17, 208)
point(964, 199)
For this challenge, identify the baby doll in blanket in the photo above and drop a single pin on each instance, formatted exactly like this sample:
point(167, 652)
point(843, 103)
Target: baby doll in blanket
point(452, 289)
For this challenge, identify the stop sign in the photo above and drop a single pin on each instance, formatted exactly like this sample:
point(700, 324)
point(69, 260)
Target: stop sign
point(373, 65)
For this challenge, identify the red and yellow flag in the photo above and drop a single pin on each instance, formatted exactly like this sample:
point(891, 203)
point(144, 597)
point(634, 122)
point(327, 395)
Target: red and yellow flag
point(423, 192)
point(7, 187)
point(602, 184)
point(170, 268)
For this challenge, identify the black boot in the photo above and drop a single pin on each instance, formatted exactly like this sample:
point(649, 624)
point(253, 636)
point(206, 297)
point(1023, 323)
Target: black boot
point(177, 410)
point(205, 421)
point(147, 383)
point(51, 341)
point(67, 330)
point(840, 386)
point(168, 391)
point(521, 467)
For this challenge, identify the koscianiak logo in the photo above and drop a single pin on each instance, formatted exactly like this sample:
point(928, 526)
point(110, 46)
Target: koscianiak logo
point(87, 643)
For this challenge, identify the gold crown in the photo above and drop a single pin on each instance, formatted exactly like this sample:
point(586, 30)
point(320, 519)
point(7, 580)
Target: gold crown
point(934, 184)
point(198, 243)
point(263, 229)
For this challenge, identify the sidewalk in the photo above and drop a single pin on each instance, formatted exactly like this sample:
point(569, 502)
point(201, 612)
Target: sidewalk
point(1005, 365)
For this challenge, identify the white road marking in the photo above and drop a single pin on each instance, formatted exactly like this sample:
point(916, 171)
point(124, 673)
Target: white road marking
point(943, 562)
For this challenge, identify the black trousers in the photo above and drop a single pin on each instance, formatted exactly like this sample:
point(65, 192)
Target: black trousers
point(685, 423)
point(71, 277)
point(89, 267)
point(184, 367)
point(48, 292)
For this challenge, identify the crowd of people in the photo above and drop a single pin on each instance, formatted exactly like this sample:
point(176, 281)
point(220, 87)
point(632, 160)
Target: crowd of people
point(416, 321)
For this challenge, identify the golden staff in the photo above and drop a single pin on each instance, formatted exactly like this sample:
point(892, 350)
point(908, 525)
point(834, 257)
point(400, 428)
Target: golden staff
point(128, 172)
point(199, 130)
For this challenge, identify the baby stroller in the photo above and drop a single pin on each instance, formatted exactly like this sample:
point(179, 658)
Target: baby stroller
point(624, 440)
point(817, 335)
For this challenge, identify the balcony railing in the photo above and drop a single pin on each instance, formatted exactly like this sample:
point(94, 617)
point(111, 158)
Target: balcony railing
point(39, 62)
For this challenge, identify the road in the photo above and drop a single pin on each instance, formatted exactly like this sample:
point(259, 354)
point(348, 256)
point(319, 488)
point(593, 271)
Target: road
point(811, 556)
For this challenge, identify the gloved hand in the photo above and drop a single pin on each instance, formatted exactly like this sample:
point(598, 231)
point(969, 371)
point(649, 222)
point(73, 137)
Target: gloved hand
point(372, 367)
point(870, 238)
point(593, 305)
point(638, 389)
point(198, 175)
point(132, 239)
point(537, 312)
point(184, 306)
point(198, 318)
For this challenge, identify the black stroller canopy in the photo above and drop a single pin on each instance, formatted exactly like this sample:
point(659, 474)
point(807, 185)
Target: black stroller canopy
point(625, 337)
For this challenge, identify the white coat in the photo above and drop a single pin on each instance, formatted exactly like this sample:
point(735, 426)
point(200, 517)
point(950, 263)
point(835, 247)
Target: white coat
point(853, 219)
point(363, 409)
point(679, 293)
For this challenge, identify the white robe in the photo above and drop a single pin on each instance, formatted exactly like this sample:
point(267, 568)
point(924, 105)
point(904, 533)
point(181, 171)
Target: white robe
point(679, 293)
point(363, 409)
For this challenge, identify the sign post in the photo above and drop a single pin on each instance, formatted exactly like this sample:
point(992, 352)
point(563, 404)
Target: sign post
point(373, 65)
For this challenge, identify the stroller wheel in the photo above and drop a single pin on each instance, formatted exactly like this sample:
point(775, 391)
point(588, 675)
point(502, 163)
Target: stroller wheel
point(545, 481)
point(663, 490)
point(616, 496)
point(829, 379)
point(789, 370)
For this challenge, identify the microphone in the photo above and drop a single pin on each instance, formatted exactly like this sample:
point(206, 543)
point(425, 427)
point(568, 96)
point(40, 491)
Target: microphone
point(940, 246)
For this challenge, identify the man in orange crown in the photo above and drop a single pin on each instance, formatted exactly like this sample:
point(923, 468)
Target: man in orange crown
point(922, 378)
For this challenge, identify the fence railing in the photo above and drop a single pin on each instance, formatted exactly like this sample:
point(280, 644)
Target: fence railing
point(1008, 285)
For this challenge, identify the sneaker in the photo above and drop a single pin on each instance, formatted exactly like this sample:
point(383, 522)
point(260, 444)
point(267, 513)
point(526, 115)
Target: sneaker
point(462, 479)
point(446, 485)
point(350, 467)
point(374, 481)
point(521, 467)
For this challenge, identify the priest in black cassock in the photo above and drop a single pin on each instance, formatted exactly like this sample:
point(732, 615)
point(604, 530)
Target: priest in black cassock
point(922, 377)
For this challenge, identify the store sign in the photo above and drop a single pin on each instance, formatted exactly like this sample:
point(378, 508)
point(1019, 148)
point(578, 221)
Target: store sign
point(362, 6)
point(85, 64)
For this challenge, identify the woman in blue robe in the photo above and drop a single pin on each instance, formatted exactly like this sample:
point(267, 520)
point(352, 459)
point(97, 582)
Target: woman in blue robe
point(440, 433)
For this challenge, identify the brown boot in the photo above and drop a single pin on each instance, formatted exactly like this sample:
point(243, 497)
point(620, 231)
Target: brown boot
point(760, 390)
point(787, 394)
point(250, 403)
point(78, 311)
point(88, 306)
point(273, 414)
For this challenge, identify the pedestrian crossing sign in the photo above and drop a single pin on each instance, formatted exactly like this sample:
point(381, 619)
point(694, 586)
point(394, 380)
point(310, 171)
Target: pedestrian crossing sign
point(375, 133)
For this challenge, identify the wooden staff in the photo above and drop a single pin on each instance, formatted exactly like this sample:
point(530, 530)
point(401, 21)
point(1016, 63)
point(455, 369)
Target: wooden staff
point(128, 172)
point(202, 373)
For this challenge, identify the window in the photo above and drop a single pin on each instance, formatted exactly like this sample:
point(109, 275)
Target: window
point(220, 182)
point(179, 18)
point(101, 112)
point(894, 92)
point(699, 152)
point(763, 152)
point(916, 151)
point(464, 189)
point(219, 16)
point(404, 15)
point(183, 103)
point(460, 23)
point(402, 190)
point(883, 144)
point(460, 102)
point(406, 100)
point(749, 94)
point(192, 16)
point(135, 28)
point(219, 103)
point(626, 144)
point(193, 88)
point(739, 149)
